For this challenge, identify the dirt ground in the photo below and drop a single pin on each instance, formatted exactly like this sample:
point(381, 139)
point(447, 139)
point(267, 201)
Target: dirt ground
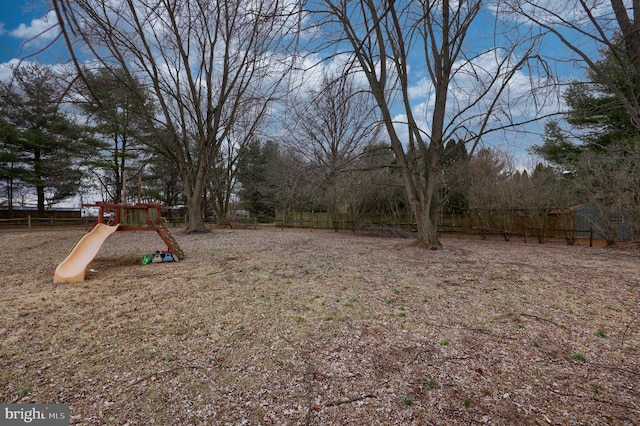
point(272, 327)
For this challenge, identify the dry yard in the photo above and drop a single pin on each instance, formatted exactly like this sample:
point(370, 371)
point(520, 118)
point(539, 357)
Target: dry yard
point(279, 327)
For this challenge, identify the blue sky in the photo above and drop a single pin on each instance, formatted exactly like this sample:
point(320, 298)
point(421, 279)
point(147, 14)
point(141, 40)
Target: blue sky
point(23, 31)
point(21, 21)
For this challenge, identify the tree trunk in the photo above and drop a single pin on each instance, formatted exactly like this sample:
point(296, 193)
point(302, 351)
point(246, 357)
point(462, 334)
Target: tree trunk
point(38, 173)
point(421, 190)
point(40, 196)
point(427, 227)
point(10, 197)
point(195, 223)
point(424, 201)
point(195, 196)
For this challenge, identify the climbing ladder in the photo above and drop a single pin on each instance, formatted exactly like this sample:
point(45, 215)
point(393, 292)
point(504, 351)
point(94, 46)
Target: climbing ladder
point(169, 239)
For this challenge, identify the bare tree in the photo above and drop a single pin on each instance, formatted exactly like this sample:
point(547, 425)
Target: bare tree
point(586, 27)
point(610, 184)
point(491, 193)
point(603, 36)
point(203, 62)
point(470, 86)
point(222, 183)
point(380, 190)
point(330, 126)
point(537, 199)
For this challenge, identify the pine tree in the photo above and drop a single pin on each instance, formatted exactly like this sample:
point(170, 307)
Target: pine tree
point(45, 147)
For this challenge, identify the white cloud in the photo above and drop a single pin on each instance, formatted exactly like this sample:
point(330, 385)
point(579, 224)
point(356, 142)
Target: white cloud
point(554, 12)
point(402, 129)
point(44, 28)
point(6, 69)
point(400, 126)
point(422, 89)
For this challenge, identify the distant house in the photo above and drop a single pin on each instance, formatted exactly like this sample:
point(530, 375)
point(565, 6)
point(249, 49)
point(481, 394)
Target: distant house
point(89, 211)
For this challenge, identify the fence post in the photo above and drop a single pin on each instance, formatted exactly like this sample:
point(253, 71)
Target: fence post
point(29, 222)
point(525, 234)
point(591, 237)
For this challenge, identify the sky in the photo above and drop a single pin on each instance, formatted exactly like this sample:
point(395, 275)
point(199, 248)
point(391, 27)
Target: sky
point(28, 33)
point(26, 28)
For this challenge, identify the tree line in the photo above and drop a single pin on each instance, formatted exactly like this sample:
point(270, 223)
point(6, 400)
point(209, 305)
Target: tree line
point(294, 105)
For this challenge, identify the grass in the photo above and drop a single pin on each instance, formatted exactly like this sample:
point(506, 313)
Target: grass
point(578, 357)
point(180, 344)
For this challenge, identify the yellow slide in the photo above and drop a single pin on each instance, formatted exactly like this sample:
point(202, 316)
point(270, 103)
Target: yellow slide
point(73, 268)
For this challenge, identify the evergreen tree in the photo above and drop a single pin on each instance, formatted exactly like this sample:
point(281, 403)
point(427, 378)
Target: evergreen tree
point(47, 148)
point(10, 169)
point(257, 176)
point(599, 120)
point(596, 111)
point(162, 182)
point(600, 155)
point(455, 197)
point(558, 149)
point(118, 113)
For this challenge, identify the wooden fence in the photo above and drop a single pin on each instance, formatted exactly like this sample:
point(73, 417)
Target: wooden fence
point(449, 224)
point(29, 222)
point(341, 222)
